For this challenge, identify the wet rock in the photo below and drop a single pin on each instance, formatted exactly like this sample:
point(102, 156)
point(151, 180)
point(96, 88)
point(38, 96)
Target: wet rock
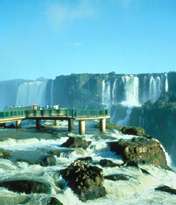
point(54, 201)
point(76, 142)
point(55, 152)
point(144, 171)
point(25, 186)
point(167, 189)
point(132, 164)
point(85, 180)
point(4, 154)
point(140, 150)
point(86, 159)
point(116, 177)
point(48, 160)
point(133, 131)
point(107, 163)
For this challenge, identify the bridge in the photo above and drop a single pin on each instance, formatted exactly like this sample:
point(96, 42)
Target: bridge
point(18, 114)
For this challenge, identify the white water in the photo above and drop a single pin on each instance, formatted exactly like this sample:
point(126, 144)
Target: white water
point(131, 84)
point(31, 92)
point(139, 189)
point(106, 93)
point(166, 83)
point(114, 91)
point(154, 88)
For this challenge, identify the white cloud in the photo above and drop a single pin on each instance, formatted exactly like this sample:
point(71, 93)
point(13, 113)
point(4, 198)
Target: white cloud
point(60, 14)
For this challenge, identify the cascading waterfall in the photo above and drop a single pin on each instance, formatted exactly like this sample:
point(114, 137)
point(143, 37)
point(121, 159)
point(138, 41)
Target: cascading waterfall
point(154, 88)
point(114, 91)
point(166, 83)
point(31, 92)
point(131, 85)
point(106, 93)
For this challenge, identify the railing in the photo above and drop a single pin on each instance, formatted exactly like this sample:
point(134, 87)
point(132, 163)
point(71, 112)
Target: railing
point(27, 112)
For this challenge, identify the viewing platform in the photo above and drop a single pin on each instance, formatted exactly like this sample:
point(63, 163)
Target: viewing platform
point(18, 114)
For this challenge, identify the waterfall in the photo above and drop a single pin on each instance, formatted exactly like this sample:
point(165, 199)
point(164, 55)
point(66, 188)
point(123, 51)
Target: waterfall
point(125, 120)
point(31, 92)
point(51, 93)
point(154, 88)
point(106, 93)
point(131, 85)
point(114, 91)
point(166, 83)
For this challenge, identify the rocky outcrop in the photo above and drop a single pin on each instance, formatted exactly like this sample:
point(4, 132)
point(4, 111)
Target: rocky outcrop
point(133, 131)
point(85, 180)
point(25, 186)
point(140, 150)
point(76, 142)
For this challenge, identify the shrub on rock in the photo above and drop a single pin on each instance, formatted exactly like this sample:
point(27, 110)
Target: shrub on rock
point(85, 180)
point(76, 142)
point(140, 150)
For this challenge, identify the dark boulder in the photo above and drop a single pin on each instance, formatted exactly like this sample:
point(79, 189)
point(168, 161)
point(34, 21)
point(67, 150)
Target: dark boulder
point(140, 150)
point(116, 177)
point(54, 201)
point(167, 189)
point(76, 142)
point(85, 180)
point(107, 163)
point(133, 131)
point(25, 186)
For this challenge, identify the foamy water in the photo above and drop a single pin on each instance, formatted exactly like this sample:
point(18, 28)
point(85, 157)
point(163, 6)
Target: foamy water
point(139, 189)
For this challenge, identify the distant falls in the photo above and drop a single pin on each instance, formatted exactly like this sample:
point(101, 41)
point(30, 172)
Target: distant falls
point(31, 92)
point(133, 90)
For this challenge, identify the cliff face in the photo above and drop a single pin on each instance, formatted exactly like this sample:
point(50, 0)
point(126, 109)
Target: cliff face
point(108, 89)
point(158, 119)
point(79, 90)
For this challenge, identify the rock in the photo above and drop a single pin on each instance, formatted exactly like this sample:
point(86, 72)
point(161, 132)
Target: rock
point(76, 142)
point(132, 164)
point(4, 154)
point(145, 171)
point(116, 177)
point(133, 131)
point(107, 163)
point(86, 159)
point(48, 160)
point(55, 152)
point(85, 180)
point(54, 201)
point(25, 186)
point(140, 150)
point(167, 189)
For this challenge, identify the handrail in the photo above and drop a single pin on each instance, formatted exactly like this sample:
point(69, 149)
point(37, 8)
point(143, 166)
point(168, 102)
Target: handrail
point(51, 112)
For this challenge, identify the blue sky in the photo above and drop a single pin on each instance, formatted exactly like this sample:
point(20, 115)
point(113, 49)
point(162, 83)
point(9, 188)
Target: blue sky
point(45, 38)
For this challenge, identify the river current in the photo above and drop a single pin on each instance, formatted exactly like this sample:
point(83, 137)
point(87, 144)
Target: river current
point(28, 146)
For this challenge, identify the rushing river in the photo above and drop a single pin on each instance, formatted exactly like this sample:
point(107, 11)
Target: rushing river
point(28, 146)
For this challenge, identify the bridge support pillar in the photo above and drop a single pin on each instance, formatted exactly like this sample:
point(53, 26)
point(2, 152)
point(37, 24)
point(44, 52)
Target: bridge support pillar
point(103, 125)
point(17, 124)
point(37, 124)
point(82, 127)
point(70, 125)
